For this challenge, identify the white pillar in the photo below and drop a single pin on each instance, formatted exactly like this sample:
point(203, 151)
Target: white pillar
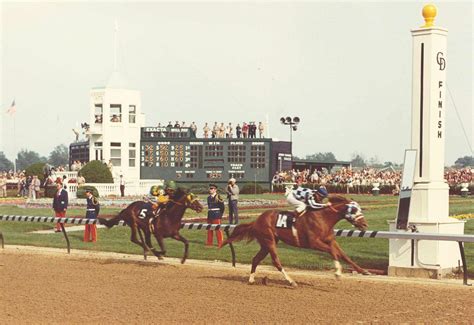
point(429, 208)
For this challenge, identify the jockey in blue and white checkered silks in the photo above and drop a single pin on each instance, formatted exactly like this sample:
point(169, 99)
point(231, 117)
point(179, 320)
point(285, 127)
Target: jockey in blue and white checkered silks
point(300, 197)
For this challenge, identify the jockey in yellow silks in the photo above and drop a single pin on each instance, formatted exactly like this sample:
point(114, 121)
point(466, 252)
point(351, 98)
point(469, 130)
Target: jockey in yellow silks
point(160, 195)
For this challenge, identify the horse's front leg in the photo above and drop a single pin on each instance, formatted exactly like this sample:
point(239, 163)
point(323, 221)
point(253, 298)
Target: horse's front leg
point(324, 247)
point(340, 252)
point(159, 239)
point(186, 246)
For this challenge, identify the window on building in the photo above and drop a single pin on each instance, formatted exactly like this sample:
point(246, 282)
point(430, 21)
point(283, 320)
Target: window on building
point(132, 112)
point(98, 151)
point(115, 154)
point(115, 113)
point(131, 155)
point(98, 113)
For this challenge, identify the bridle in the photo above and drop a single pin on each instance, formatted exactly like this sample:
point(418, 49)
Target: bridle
point(353, 216)
point(353, 212)
point(190, 199)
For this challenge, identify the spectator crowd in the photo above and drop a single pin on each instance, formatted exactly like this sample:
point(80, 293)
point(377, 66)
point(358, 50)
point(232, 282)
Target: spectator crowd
point(364, 176)
point(248, 130)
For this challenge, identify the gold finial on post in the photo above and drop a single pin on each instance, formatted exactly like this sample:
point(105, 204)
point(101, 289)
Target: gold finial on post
point(429, 13)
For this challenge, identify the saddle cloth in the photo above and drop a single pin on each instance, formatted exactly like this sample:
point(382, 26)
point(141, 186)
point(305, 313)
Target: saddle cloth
point(285, 220)
point(146, 210)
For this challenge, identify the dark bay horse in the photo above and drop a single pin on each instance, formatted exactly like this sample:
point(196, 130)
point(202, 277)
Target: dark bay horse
point(166, 225)
point(315, 230)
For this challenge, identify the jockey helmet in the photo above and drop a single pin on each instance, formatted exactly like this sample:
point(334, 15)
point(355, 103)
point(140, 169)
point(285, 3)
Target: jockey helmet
point(170, 185)
point(155, 190)
point(322, 192)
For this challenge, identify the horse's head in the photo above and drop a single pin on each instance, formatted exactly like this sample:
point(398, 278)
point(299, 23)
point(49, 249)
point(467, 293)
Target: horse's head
point(350, 210)
point(189, 200)
point(193, 202)
point(354, 216)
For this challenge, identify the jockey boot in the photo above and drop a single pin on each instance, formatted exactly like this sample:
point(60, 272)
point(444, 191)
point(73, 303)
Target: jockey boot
point(294, 231)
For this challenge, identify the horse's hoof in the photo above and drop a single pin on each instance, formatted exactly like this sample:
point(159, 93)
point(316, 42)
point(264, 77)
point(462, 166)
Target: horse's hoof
point(161, 258)
point(338, 276)
point(293, 285)
point(182, 261)
point(251, 282)
point(365, 272)
point(265, 280)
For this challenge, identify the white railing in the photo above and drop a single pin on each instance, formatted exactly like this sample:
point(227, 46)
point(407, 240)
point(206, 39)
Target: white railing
point(140, 187)
point(69, 175)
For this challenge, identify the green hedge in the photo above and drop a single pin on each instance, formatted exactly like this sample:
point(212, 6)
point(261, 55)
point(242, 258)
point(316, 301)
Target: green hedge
point(252, 188)
point(81, 191)
point(96, 172)
point(35, 169)
point(456, 189)
point(50, 190)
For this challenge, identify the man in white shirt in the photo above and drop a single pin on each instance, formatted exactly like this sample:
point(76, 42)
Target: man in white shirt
point(122, 186)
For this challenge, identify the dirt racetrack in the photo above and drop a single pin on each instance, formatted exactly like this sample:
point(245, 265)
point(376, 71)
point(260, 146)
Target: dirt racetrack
point(49, 286)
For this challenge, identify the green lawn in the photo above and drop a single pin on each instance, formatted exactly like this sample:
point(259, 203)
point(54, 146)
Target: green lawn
point(369, 253)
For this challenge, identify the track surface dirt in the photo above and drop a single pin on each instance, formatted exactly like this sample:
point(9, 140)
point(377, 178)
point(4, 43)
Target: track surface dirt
point(53, 287)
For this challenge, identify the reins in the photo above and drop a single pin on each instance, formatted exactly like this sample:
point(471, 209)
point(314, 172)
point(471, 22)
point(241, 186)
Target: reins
point(332, 208)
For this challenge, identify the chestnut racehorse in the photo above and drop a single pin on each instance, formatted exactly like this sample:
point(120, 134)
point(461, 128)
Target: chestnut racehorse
point(167, 224)
point(315, 230)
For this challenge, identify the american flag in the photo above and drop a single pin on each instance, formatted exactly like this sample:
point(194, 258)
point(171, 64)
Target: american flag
point(12, 109)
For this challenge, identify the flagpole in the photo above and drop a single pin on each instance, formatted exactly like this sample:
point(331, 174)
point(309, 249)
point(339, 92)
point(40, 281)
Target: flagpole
point(14, 146)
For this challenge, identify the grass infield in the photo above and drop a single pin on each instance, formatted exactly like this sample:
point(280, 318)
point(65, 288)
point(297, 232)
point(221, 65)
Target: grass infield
point(367, 252)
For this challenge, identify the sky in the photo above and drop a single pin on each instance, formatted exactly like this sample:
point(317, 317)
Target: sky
point(344, 68)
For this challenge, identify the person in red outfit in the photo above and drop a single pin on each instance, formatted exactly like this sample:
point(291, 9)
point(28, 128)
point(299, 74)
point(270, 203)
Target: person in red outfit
point(90, 232)
point(215, 211)
point(60, 202)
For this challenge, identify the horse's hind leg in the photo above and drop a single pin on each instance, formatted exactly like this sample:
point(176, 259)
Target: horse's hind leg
point(149, 244)
point(277, 264)
point(134, 239)
point(186, 246)
point(145, 246)
point(262, 253)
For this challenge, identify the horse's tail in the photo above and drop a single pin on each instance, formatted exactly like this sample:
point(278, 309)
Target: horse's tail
point(242, 231)
point(111, 222)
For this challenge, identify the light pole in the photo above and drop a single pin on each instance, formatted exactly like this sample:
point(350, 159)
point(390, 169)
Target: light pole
point(292, 122)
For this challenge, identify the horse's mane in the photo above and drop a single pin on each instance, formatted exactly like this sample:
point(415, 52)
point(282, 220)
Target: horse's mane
point(336, 198)
point(180, 192)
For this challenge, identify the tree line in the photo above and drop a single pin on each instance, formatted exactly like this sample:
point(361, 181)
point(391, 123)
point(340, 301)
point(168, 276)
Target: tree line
point(58, 156)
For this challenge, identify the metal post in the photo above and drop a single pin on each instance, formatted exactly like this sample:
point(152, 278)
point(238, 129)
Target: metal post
point(67, 239)
point(232, 250)
point(464, 266)
point(255, 184)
